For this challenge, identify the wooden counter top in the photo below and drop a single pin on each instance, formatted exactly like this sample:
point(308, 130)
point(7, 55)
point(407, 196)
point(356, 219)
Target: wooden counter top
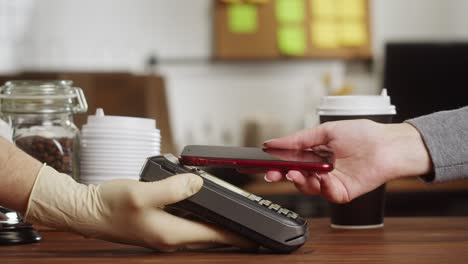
point(403, 240)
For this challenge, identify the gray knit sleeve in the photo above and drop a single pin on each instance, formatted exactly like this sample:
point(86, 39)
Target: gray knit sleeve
point(446, 137)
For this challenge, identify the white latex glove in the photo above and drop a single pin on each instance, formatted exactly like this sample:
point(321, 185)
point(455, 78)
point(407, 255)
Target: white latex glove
point(124, 211)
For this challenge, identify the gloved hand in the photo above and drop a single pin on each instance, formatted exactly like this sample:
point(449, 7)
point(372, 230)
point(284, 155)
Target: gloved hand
point(124, 211)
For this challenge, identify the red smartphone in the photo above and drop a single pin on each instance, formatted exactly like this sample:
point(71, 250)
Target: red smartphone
point(257, 159)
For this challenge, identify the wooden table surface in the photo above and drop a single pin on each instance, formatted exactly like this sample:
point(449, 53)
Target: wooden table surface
point(402, 240)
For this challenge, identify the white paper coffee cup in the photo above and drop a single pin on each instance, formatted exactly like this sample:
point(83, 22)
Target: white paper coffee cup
point(366, 211)
point(356, 105)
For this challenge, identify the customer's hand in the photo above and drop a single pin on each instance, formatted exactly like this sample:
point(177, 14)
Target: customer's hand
point(125, 211)
point(367, 155)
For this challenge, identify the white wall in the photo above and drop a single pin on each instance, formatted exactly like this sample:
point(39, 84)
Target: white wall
point(458, 20)
point(115, 34)
point(415, 20)
point(119, 34)
point(14, 19)
point(206, 99)
point(209, 101)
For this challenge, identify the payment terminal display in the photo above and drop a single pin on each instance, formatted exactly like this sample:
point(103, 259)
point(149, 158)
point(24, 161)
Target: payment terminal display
point(262, 221)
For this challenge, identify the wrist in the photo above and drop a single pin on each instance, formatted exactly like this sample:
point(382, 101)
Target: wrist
point(408, 152)
point(57, 201)
point(18, 173)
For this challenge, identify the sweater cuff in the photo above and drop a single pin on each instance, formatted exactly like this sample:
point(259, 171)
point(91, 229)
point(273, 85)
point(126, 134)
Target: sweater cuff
point(444, 134)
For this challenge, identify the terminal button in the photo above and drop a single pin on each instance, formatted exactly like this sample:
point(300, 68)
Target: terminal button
point(274, 207)
point(292, 215)
point(284, 211)
point(265, 203)
point(254, 198)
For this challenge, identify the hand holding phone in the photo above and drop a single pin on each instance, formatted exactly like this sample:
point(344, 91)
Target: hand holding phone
point(257, 159)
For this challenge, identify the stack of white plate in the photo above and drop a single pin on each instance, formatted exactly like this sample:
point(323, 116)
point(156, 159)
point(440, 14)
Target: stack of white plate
point(116, 147)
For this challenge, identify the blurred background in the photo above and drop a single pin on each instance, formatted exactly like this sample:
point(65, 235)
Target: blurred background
point(238, 72)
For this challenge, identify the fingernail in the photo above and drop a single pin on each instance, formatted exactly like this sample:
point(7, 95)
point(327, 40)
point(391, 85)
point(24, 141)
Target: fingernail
point(266, 178)
point(288, 177)
point(266, 142)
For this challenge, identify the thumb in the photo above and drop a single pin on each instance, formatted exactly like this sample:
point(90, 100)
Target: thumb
point(173, 189)
point(301, 140)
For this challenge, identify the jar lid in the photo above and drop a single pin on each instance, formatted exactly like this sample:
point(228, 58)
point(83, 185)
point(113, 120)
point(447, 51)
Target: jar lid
point(31, 96)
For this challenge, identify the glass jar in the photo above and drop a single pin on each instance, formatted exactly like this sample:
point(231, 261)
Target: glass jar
point(41, 116)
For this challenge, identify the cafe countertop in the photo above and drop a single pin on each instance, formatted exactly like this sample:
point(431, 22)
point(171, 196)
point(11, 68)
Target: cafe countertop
point(402, 240)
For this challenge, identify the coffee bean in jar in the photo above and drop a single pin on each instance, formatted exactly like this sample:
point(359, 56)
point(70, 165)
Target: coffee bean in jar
point(56, 152)
point(41, 116)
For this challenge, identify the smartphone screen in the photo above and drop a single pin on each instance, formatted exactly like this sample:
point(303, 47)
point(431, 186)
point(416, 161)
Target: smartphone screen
point(260, 159)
